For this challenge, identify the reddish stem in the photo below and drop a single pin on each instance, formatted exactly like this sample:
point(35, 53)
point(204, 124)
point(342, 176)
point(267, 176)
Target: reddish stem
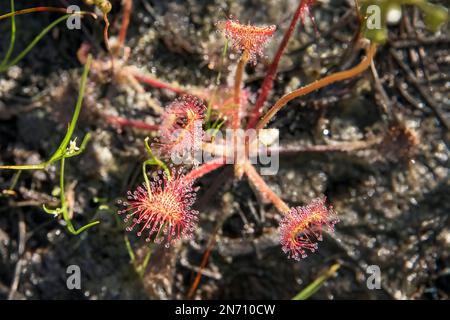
point(124, 122)
point(316, 85)
point(128, 5)
point(265, 191)
point(236, 120)
point(205, 169)
point(268, 80)
point(337, 147)
point(105, 34)
point(157, 83)
point(202, 266)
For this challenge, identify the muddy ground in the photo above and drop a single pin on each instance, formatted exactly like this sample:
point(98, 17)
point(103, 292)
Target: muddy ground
point(392, 200)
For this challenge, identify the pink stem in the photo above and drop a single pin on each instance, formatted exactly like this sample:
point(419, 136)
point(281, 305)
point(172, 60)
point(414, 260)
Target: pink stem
point(128, 5)
point(268, 80)
point(156, 83)
point(205, 169)
point(265, 191)
point(124, 122)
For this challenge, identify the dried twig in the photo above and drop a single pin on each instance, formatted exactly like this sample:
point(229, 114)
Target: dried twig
point(20, 252)
point(424, 92)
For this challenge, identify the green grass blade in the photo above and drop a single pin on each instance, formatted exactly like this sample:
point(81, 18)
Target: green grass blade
point(317, 283)
point(13, 38)
point(65, 212)
point(63, 146)
point(33, 43)
point(129, 249)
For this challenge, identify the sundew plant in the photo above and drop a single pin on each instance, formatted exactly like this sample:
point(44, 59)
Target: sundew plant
point(220, 155)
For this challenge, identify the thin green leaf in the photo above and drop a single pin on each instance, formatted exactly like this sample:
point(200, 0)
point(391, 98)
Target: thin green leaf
point(13, 38)
point(316, 284)
point(33, 43)
point(61, 151)
point(64, 209)
point(129, 249)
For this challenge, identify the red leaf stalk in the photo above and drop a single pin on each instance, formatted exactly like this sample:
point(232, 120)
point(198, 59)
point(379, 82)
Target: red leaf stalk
point(128, 5)
point(259, 183)
point(268, 80)
point(335, 77)
point(151, 81)
point(124, 122)
point(204, 169)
